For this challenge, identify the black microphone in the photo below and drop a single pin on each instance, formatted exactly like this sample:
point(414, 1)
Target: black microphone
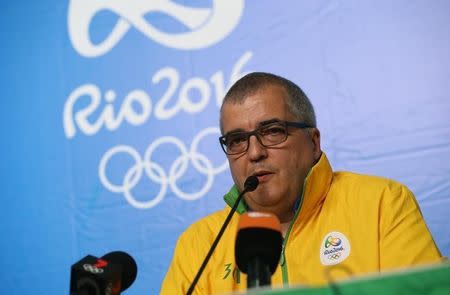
point(111, 274)
point(258, 247)
point(250, 184)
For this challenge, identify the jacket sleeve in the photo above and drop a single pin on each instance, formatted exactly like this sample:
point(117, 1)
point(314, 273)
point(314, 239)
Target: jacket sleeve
point(404, 237)
point(183, 267)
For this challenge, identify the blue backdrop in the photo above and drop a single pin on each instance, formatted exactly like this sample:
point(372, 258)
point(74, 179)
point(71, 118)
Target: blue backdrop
point(109, 116)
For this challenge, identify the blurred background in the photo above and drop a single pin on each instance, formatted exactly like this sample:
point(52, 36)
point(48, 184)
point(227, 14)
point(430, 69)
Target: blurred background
point(109, 116)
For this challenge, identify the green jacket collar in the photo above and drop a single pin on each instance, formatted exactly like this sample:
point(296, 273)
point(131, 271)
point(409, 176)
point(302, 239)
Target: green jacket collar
point(231, 197)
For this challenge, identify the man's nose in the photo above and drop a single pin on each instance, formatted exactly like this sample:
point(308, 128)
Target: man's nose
point(256, 151)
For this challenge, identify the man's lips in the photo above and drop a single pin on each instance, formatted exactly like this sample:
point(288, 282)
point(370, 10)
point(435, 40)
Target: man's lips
point(263, 176)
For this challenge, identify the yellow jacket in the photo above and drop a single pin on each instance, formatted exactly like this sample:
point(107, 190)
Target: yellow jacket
point(346, 224)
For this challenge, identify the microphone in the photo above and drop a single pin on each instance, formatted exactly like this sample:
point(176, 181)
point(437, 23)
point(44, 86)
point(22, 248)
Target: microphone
point(250, 184)
point(111, 274)
point(258, 247)
point(129, 267)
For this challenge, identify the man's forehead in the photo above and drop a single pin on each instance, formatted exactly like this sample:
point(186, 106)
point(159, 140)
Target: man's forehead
point(235, 120)
point(267, 103)
point(273, 95)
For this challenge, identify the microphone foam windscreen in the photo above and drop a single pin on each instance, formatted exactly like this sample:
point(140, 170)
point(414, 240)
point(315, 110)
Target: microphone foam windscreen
point(251, 183)
point(129, 267)
point(259, 237)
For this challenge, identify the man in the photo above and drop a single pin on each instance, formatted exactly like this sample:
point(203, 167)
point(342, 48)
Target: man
point(334, 224)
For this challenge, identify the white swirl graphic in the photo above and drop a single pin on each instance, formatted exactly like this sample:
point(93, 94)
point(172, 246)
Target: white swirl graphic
point(207, 25)
point(157, 174)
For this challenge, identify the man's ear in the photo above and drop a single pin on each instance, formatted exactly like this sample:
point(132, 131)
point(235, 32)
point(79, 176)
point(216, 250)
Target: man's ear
point(315, 138)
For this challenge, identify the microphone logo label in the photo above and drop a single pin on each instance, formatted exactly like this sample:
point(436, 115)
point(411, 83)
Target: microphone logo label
point(92, 268)
point(101, 263)
point(335, 248)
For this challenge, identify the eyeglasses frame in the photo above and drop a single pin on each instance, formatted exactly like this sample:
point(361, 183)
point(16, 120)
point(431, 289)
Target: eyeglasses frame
point(300, 125)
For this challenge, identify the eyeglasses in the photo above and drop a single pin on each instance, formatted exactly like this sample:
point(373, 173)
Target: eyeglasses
point(268, 135)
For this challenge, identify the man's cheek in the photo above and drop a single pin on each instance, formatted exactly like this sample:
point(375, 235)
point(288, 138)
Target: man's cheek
point(236, 177)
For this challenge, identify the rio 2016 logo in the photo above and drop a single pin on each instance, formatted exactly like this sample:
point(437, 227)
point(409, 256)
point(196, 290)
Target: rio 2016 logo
point(332, 241)
point(100, 114)
point(207, 26)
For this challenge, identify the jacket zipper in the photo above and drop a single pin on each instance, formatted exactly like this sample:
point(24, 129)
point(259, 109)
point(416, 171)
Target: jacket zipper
point(283, 262)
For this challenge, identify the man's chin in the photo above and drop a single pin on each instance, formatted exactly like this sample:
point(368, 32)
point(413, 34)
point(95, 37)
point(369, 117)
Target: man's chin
point(261, 203)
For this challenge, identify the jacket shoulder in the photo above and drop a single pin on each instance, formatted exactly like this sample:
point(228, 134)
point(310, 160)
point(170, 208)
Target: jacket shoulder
point(369, 183)
point(191, 248)
point(206, 228)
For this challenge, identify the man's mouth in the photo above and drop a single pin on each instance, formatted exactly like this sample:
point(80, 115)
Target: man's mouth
point(263, 175)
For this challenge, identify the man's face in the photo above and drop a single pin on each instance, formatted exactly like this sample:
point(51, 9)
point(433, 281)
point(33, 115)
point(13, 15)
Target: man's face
point(281, 169)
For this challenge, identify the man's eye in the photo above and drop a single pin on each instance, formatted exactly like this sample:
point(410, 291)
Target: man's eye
point(276, 130)
point(235, 140)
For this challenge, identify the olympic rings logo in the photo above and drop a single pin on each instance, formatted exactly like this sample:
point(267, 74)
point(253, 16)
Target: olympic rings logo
point(157, 174)
point(334, 256)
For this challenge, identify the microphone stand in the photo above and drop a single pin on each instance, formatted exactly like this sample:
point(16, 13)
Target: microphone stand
point(250, 185)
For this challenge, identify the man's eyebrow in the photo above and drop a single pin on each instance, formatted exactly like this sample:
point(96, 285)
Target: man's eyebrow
point(267, 122)
point(237, 130)
point(263, 123)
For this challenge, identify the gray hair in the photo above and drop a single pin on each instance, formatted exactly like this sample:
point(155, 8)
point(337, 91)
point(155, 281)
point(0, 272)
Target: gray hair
point(298, 103)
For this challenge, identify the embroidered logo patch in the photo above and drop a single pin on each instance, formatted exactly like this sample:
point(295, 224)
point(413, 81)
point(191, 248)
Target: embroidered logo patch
point(335, 248)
